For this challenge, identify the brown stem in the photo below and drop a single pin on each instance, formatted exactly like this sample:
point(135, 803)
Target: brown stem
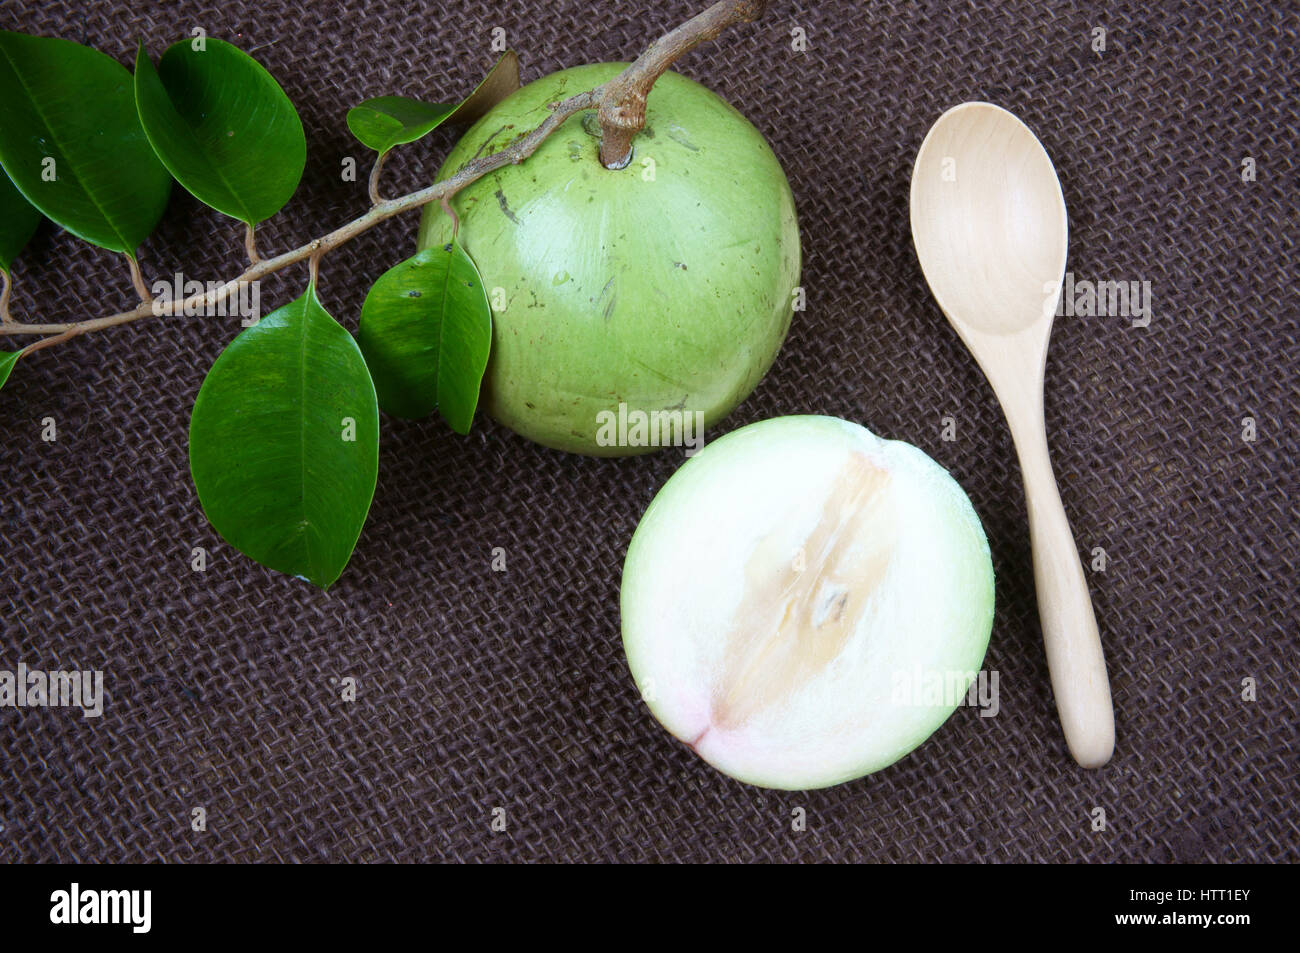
point(519, 150)
point(375, 197)
point(313, 266)
point(250, 245)
point(72, 332)
point(622, 109)
point(137, 280)
point(451, 213)
point(6, 286)
point(617, 101)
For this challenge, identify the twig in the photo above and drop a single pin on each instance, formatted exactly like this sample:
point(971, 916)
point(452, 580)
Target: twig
point(469, 173)
point(622, 108)
point(72, 332)
point(620, 102)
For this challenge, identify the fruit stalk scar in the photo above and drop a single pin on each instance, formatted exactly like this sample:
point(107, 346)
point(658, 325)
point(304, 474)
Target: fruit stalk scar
point(622, 107)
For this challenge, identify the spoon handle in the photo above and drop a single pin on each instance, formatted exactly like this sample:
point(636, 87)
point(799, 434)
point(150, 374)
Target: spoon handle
point(1074, 656)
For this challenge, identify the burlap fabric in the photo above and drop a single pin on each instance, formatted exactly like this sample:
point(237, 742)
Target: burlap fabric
point(482, 690)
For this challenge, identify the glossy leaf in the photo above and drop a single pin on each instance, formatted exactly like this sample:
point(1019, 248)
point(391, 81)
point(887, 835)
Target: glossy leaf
point(72, 143)
point(223, 127)
point(18, 221)
point(426, 329)
point(7, 361)
point(284, 442)
point(387, 121)
point(500, 82)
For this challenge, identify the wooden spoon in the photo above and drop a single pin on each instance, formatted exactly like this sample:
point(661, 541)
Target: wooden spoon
point(989, 225)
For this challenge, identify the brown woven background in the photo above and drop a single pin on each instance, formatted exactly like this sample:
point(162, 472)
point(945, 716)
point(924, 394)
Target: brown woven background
point(481, 690)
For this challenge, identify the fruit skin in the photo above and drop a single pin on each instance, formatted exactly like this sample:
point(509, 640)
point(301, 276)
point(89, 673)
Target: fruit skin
point(686, 576)
point(668, 294)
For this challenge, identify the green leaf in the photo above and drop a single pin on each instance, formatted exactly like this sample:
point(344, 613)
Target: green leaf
point(387, 121)
point(18, 221)
point(426, 329)
point(7, 361)
point(502, 80)
point(223, 126)
point(72, 143)
point(269, 450)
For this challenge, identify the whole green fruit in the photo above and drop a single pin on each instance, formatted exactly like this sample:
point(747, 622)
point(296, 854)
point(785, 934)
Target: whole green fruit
point(664, 286)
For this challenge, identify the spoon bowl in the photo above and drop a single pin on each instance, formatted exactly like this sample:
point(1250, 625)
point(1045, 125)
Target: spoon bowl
point(995, 237)
point(990, 230)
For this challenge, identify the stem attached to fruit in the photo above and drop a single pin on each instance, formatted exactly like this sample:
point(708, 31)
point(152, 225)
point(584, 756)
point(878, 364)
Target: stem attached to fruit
point(622, 107)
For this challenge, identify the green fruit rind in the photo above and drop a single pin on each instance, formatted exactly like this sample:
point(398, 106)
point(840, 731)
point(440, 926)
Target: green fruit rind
point(666, 285)
point(686, 577)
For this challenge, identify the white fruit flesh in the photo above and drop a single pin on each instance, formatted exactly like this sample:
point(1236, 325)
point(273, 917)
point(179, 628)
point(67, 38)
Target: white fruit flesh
point(787, 590)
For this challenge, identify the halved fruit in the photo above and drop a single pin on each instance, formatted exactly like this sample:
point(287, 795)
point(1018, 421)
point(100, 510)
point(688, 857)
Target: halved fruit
point(793, 594)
